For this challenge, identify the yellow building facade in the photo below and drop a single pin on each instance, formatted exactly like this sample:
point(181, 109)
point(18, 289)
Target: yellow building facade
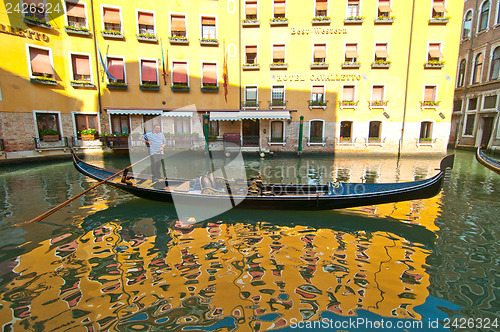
point(372, 76)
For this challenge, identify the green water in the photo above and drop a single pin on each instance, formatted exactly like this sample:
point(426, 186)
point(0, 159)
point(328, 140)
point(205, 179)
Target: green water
point(111, 261)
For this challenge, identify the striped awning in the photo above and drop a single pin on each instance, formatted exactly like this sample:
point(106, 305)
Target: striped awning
point(232, 116)
point(135, 112)
point(224, 116)
point(178, 114)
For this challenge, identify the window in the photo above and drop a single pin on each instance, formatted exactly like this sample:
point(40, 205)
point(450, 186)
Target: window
point(277, 131)
point(75, 14)
point(457, 106)
point(209, 74)
point(178, 26)
point(213, 128)
point(353, 8)
point(179, 73)
point(316, 131)
point(149, 72)
point(430, 93)
point(348, 93)
point(484, 15)
point(321, 8)
point(319, 53)
point(377, 93)
point(208, 28)
point(120, 124)
point(495, 64)
point(117, 69)
point(278, 95)
point(35, 9)
point(472, 104)
point(47, 121)
point(251, 96)
point(461, 73)
point(279, 8)
point(182, 125)
point(146, 23)
point(469, 125)
point(438, 9)
point(251, 54)
point(381, 53)
point(490, 102)
point(40, 62)
point(318, 94)
point(346, 129)
point(466, 30)
point(111, 19)
point(351, 53)
point(478, 68)
point(85, 121)
point(434, 53)
point(251, 10)
point(425, 129)
point(384, 8)
point(80, 67)
point(279, 53)
point(374, 130)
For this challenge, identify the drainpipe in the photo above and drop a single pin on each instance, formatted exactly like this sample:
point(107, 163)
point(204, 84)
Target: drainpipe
point(400, 146)
point(301, 129)
point(206, 130)
point(94, 39)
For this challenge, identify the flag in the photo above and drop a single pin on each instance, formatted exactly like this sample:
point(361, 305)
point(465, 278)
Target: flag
point(104, 65)
point(163, 64)
point(224, 74)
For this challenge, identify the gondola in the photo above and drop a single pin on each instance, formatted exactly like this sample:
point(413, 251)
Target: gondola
point(487, 161)
point(257, 195)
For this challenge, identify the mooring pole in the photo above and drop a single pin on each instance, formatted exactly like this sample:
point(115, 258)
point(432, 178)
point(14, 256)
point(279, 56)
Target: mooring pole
point(301, 130)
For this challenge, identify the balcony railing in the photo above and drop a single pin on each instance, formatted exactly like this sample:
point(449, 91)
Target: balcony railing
point(429, 104)
point(316, 141)
point(58, 143)
point(278, 21)
point(378, 104)
point(348, 104)
point(317, 104)
point(434, 64)
point(354, 64)
point(250, 104)
point(276, 141)
point(277, 103)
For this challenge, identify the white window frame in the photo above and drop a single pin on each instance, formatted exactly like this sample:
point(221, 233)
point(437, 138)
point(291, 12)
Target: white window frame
point(465, 124)
point(355, 91)
point(440, 49)
point(111, 125)
point(286, 7)
point(326, 50)
point(480, 10)
point(216, 25)
point(359, 8)
point(433, 124)
point(473, 68)
point(445, 6)
point(79, 3)
point(371, 91)
point(72, 76)
point(309, 143)
point(75, 113)
point(324, 91)
point(492, 49)
point(170, 22)
point(216, 70)
point(140, 69)
point(380, 131)
point(463, 25)
point(497, 13)
point(172, 70)
point(270, 132)
point(124, 66)
point(28, 57)
point(464, 57)
point(58, 118)
point(257, 93)
point(244, 8)
point(137, 11)
point(46, 16)
point(113, 7)
point(284, 95)
point(327, 8)
point(256, 57)
point(437, 92)
point(490, 93)
point(339, 127)
point(376, 8)
point(375, 48)
point(357, 48)
point(272, 51)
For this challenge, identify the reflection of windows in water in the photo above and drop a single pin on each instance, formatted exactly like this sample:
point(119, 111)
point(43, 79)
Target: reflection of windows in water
point(371, 176)
point(343, 175)
point(47, 121)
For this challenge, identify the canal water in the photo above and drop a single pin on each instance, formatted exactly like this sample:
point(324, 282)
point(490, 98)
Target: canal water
point(111, 261)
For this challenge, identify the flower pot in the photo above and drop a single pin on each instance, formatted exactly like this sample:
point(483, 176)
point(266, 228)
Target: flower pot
point(88, 137)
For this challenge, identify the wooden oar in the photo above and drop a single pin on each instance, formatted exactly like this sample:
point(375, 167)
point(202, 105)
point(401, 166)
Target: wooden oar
point(54, 209)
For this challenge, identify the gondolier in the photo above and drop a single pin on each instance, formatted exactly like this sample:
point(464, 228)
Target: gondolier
point(156, 141)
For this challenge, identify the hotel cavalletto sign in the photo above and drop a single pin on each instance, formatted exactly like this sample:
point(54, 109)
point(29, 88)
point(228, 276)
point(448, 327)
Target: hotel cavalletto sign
point(19, 32)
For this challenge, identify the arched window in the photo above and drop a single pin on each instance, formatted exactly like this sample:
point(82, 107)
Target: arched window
point(484, 16)
point(467, 25)
point(461, 73)
point(495, 64)
point(478, 68)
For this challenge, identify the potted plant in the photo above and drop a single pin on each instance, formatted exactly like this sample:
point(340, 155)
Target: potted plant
point(50, 135)
point(212, 138)
point(88, 134)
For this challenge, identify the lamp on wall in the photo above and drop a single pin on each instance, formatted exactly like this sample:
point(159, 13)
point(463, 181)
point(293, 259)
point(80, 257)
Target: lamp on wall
point(290, 119)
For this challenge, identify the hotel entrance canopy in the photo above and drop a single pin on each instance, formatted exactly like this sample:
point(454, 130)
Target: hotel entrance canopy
point(235, 116)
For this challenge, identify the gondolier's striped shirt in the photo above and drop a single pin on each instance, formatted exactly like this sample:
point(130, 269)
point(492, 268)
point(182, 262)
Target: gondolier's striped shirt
point(156, 141)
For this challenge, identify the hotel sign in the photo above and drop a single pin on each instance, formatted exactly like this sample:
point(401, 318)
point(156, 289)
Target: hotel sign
point(19, 32)
point(318, 31)
point(318, 77)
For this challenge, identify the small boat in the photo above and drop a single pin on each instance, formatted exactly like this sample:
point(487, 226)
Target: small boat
point(210, 191)
point(487, 162)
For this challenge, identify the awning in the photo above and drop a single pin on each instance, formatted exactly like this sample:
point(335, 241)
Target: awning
point(178, 114)
point(224, 116)
point(264, 115)
point(135, 112)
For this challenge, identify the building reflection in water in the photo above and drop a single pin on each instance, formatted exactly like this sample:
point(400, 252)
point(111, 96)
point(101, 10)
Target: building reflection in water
point(147, 273)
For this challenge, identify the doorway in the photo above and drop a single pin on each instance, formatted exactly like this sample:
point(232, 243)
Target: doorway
point(250, 132)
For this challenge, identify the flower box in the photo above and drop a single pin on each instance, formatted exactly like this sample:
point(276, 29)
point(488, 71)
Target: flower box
point(276, 21)
point(434, 64)
point(112, 34)
point(150, 87)
point(43, 80)
point(77, 30)
point(379, 104)
point(321, 20)
point(30, 20)
point(354, 20)
point(250, 23)
point(147, 38)
point(50, 138)
point(351, 64)
point(209, 88)
point(88, 137)
point(209, 42)
point(384, 20)
point(115, 85)
point(429, 104)
point(319, 65)
point(348, 104)
point(82, 84)
point(179, 87)
point(438, 20)
point(178, 40)
point(250, 66)
point(251, 104)
point(317, 104)
point(278, 65)
point(345, 140)
point(374, 140)
point(277, 104)
point(381, 64)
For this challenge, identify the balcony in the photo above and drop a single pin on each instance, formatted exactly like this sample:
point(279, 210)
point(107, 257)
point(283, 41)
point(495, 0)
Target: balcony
point(277, 104)
point(351, 65)
point(348, 104)
point(439, 20)
point(251, 105)
point(180, 87)
point(316, 141)
point(319, 65)
point(381, 64)
point(34, 21)
point(52, 143)
point(317, 104)
point(82, 84)
point(250, 66)
point(354, 20)
point(250, 23)
point(434, 64)
point(112, 34)
point(429, 104)
point(150, 87)
point(43, 80)
point(77, 30)
point(378, 104)
point(209, 42)
point(320, 20)
point(145, 37)
point(278, 21)
point(178, 40)
point(278, 66)
point(384, 20)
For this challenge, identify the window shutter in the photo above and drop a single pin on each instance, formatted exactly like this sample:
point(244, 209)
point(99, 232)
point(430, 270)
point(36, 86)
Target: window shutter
point(81, 65)
point(179, 72)
point(146, 18)
point(115, 68)
point(178, 23)
point(40, 61)
point(149, 71)
point(111, 15)
point(209, 73)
